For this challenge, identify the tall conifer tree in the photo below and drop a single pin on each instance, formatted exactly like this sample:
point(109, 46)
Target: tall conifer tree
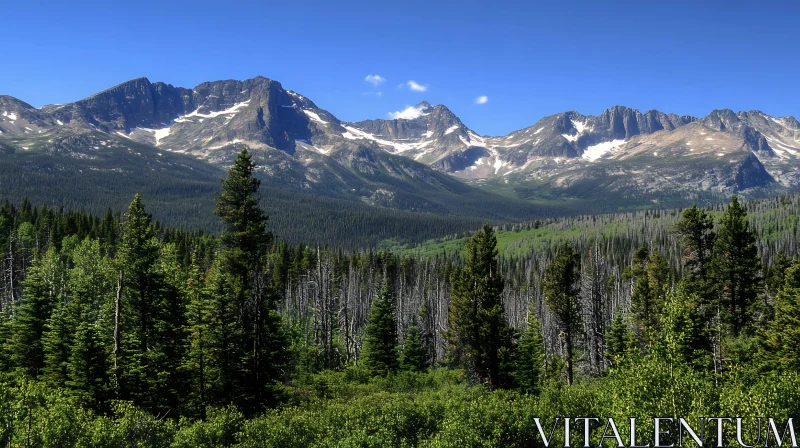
point(414, 357)
point(561, 288)
point(697, 242)
point(259, 355)
point(146, 365)
point(379, 355)
point(736, 268)
point(43, 289)
point(530, 356)
point(477, 326)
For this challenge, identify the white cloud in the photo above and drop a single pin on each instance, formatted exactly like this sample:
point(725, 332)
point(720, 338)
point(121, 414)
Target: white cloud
point(374, 79)
point(409, 113)
point(413, 85)
point(483, 99)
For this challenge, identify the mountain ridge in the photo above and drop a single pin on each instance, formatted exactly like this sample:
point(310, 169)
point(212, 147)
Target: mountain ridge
point(621, 152)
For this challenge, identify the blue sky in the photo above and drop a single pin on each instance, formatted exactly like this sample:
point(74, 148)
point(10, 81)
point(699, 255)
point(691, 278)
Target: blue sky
point(529, 59)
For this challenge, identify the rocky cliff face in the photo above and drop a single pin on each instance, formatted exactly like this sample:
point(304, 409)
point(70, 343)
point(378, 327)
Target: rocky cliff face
point(136, 103)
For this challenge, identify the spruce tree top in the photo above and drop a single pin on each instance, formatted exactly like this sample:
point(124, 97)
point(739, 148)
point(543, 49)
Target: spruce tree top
point(482, 256)
point(138, 247)
point(237, 207)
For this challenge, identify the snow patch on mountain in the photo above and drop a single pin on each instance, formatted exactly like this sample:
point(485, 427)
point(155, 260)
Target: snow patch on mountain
point(232, 142)
point(196, 113)
point(580, 128)
point(357, 134)
point(599, 150)
point(295, 94)
point(780, 148)
point(476, 140)
point(306, 144)
point(780, 121)
point(451, 129)
point(314, 117)
point(498, 164)
point(477, 163)
point(161, 134)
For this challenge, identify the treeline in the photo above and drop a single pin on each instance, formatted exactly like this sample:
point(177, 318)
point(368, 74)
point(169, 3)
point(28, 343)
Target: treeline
point(132, 322)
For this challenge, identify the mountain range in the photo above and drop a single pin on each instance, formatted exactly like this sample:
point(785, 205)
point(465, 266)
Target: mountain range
point(426, 161)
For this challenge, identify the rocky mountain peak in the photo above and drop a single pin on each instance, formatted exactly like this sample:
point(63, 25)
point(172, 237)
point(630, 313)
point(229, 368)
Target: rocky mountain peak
point(721, 120)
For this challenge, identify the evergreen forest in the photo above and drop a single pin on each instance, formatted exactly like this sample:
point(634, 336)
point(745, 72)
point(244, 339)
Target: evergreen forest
point(117, 331)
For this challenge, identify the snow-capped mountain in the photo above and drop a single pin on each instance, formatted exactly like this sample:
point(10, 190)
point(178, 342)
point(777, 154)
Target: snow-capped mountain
point(724, 152)
point(621, 152)
point(297, 145)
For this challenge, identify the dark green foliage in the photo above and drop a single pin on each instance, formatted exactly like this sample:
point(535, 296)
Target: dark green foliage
point(43, 290)
point(775, 274)
point(477, 326)
point(379, 352)
point(198, 355)
point(621, 341)
point(736, 268)
point(561, 289)
point(245, 236)
point(696, 237)
point(149, 346)
point(779, 341)
point(414, 357)
point(530, 357)
point(685, 338)
point(249, 339)
point(203, 296)
point(650, 276)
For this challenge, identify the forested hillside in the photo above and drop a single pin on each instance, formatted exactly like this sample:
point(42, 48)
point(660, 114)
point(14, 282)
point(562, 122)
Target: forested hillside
point(116, 331)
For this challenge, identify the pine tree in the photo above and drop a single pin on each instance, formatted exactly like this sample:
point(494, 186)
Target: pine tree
point(43, 289)
point(170, 331)
point(561, 290)
point(530, 359)
point(145, 367)
point(87, 367)
point(379, 353)
point(775, 274)
point(779, 341)
point(736, 268)
point(774, 280)
point(658, 273)
point(226, 341)
point(697, 240)
point(650, 274)
point(258, 353)
point(198, 350)
point(685, 338)
point(642, 300)
point(414, 357)
point(621, 340)
point(477, 327)
point(56, 345)
point(5, 341)
point(90, 285)
point(245, 237)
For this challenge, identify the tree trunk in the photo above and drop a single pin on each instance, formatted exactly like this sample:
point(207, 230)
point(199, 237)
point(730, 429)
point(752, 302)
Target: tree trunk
point(568, 337)
point(115, 352)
